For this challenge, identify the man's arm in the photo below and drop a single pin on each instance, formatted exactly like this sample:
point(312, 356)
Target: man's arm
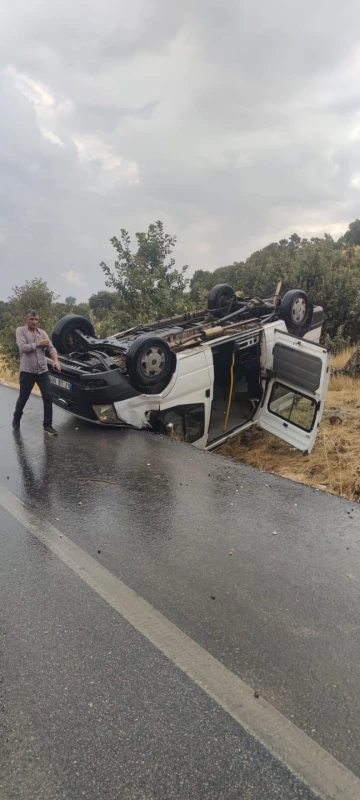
point(52, 353)
point(54, 358)
point(26, 347)
point(21, 342)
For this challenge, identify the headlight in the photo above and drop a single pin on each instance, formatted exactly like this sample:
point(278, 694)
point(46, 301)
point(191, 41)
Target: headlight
point(106, 413)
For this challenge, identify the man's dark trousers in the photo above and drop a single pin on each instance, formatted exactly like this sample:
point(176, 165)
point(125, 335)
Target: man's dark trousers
point(27, 383)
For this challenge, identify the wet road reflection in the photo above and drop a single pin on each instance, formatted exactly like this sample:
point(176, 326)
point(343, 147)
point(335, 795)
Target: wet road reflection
point(181, 527)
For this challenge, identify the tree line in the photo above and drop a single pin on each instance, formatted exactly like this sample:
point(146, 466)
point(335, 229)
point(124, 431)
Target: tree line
point(144, 284)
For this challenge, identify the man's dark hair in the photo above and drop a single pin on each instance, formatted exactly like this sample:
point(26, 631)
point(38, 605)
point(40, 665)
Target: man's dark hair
point(32, 312)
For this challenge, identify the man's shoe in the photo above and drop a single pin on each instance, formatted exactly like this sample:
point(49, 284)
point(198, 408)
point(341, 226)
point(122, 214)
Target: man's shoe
point(16, 425)
point(50, 430)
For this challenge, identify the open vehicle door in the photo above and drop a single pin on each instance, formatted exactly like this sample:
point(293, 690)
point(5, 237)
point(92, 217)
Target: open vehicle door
point(295, 397)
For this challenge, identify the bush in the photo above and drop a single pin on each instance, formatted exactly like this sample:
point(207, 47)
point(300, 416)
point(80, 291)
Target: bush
point(34, 294)
point(338, 342)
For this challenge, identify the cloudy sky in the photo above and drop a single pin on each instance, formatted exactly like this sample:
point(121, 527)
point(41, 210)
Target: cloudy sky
point(236, 122)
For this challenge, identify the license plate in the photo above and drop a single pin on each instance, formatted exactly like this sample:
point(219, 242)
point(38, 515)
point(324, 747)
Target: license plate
point(61, 383)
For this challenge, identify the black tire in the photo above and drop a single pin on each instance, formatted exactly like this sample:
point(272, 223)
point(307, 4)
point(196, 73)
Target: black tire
point(294, 309)
point(220, 296)
point(65, 337)
point(150, 363)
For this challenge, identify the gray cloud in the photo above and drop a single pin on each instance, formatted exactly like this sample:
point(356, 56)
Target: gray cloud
point(235, 123)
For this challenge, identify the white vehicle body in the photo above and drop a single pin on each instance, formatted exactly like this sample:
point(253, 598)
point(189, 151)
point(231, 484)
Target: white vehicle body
point(294, 375)
point(290, 374)
point(202, 377)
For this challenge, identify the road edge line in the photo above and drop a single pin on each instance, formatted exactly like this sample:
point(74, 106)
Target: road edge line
point(313, 765)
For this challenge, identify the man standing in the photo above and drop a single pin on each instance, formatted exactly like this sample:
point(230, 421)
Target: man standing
point(32, 342)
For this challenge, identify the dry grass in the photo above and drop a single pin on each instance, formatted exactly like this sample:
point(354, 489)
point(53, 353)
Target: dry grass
point(334, 463)
point(339, 360)
point(9, 378)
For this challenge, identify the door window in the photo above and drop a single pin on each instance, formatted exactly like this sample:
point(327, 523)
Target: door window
point(295, 396)
point(292, 406)
point(299, 367)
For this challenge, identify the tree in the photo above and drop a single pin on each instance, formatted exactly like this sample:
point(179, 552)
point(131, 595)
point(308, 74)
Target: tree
point(352, 235)
point(295, 240)
point(83, 309)
point(102, 302)
point(147, 285)
point(33, 294)
point(61, 309)
point(4, 308)
point(70, 301)
point(200, 285)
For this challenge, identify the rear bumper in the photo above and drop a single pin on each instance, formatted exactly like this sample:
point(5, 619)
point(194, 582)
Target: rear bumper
point(318, 318)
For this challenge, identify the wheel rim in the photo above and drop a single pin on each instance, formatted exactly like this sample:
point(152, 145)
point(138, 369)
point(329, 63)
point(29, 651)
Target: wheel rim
point(298, 311)
point(224, 300)
point(152, 362)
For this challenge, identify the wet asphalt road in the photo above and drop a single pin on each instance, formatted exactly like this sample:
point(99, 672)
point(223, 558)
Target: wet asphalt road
point(88, 706)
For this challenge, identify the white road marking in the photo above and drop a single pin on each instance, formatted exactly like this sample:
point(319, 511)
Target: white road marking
point(306, 759)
